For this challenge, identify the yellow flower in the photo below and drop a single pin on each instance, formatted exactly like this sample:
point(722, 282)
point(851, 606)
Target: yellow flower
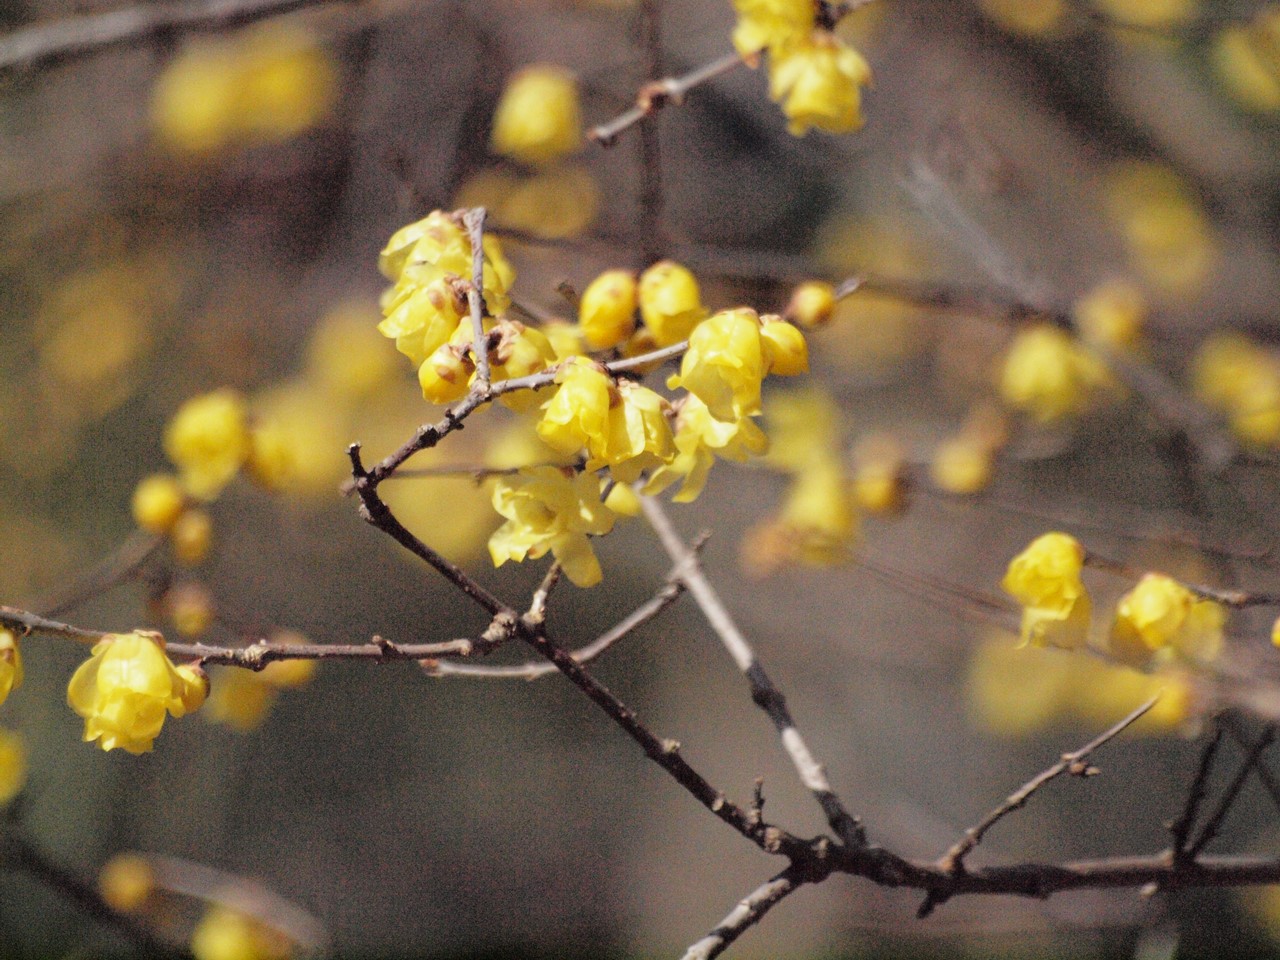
point(208, 441)
point(1147, 13)
point(578, 415)
point(639, 436)
point(1048, 375)
point(1245, 58)
point(1166, 231)
point(127, 882)
point(124, 689)
point(241, 698)
point(271, 455)
point(1045, 579)
point(227, 934)
point(346, 359)
point(819, 84)
point(556, 203)
point(1112, 316)
point(190, 608)
point(607, 310)
point(880, 475)
point(819, 516)
point(1031, 18)
point(699, 439)
point(551, 509)
point(519, 351)
point(962, 465)
point(812, 304)
point(785, 352)
point(1015, 690)
point(803, 427)
point(192, 537)
point(158, 502)
point(670, 302)
point(538, 118)
point(724, 364)
point(10, 663)
point(1160, 612)
point(425, 318)
point(771, 24)
point(443, 376)
point(13, 765)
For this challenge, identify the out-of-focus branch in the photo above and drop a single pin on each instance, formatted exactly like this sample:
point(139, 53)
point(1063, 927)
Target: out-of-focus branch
point(1238, 599)
point(116, 568)
point(29, 622)
point(73, 36)
point(1074, 763)
point(763, 692)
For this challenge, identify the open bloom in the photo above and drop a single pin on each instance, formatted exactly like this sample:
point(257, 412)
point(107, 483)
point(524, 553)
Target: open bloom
point(639, 436)
point(819, 83)
point(771, 24)
point(725, 364)
point(699, 439)
point(578, 415)
point(1160, 612)
point(125, 688)
point(1045, 579)
point(551, 509)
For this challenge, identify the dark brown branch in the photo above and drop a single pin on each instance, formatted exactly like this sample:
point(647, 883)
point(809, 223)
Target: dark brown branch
point(1074, 763)
point(656, 94)
point(653, 231)
point(1268, 779)
point(1181, 828)
point(374, 511)
point(748, 912)
point(764, 693)
point(1214, 823)
point(29, 622)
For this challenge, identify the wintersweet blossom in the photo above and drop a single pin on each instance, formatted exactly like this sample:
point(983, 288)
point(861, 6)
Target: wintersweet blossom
point(725, 364)
point(538, 119)
point(1158, 613)
point(819, 83)
point(13, 765)
point(551, 509)
point(577, 416)
point(1045, 579)
point(158, 502)
point(771, 24)
point(10, 663)
point(1049, 375)
point(125, 688)
point(699, 439)
point(670, 302)
point(607, 310)
point(639, 436)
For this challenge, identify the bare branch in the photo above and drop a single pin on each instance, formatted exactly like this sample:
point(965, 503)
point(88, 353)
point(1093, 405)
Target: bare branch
point(1181, 828)
point(473, 220)
point(34, 623)
point(749, 911)
point(116, 568)
point(1074, 763)
point(1238, 599)
point(379, 649)
point(1214, 823)
point(656, 94)
point(763, 692)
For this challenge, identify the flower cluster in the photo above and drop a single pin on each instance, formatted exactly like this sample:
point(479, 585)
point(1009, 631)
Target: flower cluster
point(816, 77)
point(126, 687)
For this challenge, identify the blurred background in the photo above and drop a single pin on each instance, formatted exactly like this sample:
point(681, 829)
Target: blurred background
point(200, 204)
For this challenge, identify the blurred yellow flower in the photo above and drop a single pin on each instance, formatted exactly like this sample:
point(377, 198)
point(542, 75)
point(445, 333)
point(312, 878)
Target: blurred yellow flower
point(227, 934)
point(1245, 58)
point(538, 118)
point(1160, 612)
point(812, 304)
point(158, 502)
point(127, 882)
point(10, 663)
point(1112, 316)
point(775, 25)
point(1049, 375)
point(13, 765)
point(819, 84)
point(208, 441)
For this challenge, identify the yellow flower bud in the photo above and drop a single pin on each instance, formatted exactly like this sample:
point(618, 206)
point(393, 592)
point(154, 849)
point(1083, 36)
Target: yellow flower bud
point(1160, 612)
point(537, 119)
point(191, 537)
point(445, 374)
point(1244, 56)
point(725, 364)
point(670, 302)
point(1112, 316)
point(607, 310)
point(10, 663)
point(158, 501)
point(208, 441)
point(880, 478)
point(127, 882)
point(961, 465)
point(1045, 579)
point(190, 608)
point(518, 352)
point(227, 934)
point(13, 765)
point(812, 304)
point(819, 84)
point(124, 690)
point(785, 351)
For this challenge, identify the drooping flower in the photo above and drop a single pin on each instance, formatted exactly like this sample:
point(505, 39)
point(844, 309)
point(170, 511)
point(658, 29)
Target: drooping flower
point(1045, 579)
point(772, 25)
point(607, 310)
point(577, 416)
point(125, 688)
point(699, 439)
point(1158, 613)
point(550, 509)
point(725, 364)
point(819, 83)
point(639, 436)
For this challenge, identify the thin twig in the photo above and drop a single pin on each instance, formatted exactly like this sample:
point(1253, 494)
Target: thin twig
point(1074, 763)
point(1181, 828)
point(656, 94)
point(473, 220)
point(763, 692)
point(1268, 779)
point(538, 604)
point(116, 568)
point(748, 912)
point(533, 670)
point(1214, 823)
point(1238, 599)
point(29, 622)
point(379, 649)
point(653, 232)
